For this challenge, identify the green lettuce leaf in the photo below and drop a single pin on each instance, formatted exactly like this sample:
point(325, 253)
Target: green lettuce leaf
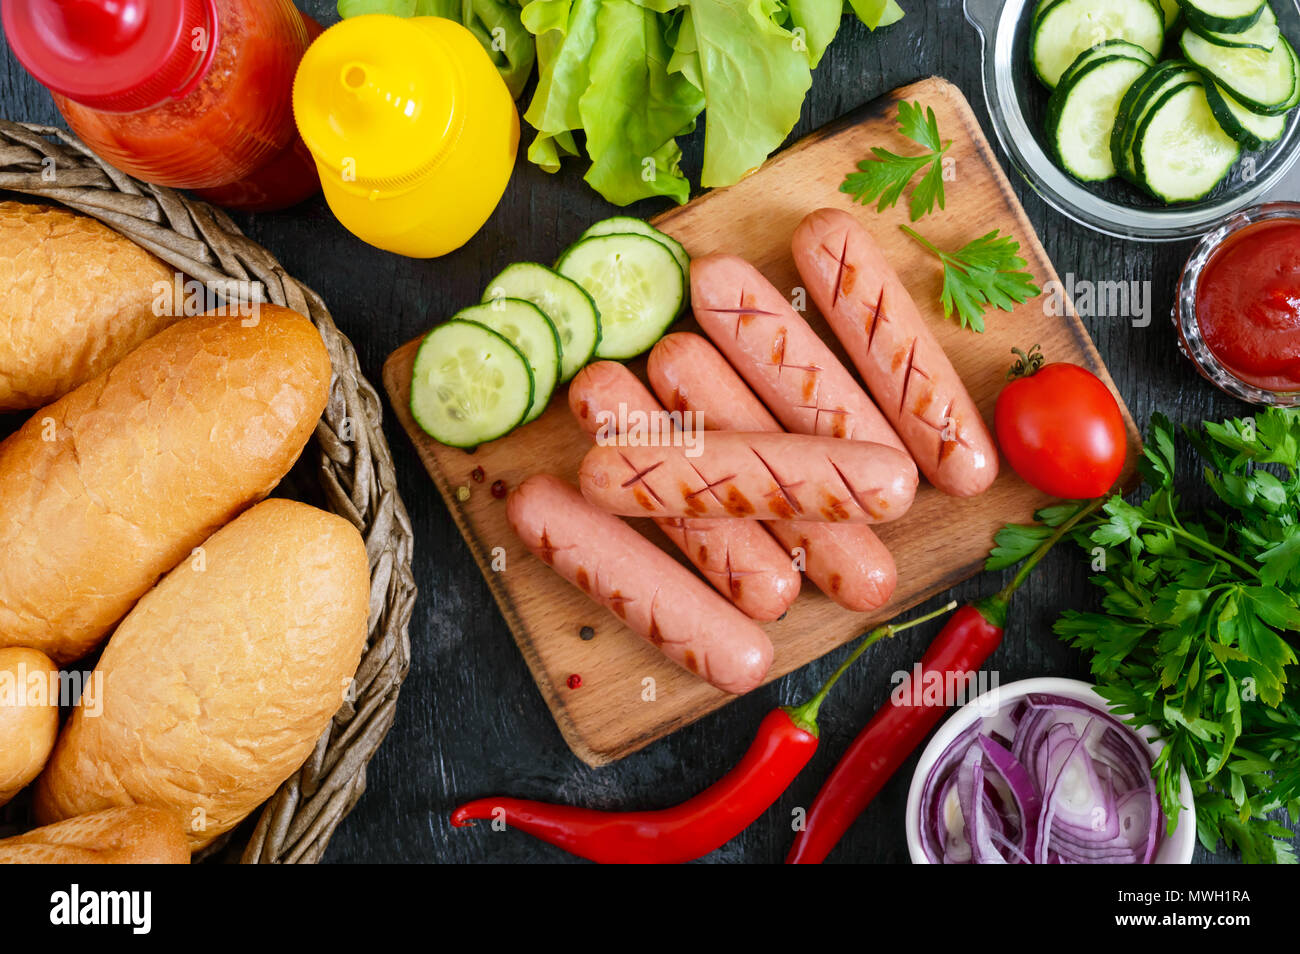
point(634, 109)
point(819, 21)
point(755, 77)
point(566, 34)
point(875, 13)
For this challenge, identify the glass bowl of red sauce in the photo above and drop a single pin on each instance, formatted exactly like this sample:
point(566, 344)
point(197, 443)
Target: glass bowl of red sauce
point(1238, 305)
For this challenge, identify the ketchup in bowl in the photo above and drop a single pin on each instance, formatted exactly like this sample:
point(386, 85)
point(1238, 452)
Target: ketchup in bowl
point(1238, 307)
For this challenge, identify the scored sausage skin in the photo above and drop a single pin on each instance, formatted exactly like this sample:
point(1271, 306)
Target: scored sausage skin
point(903, 365)
point(658, 598)
point(762, 476)
point(847, 562)
point(738, 557)
point(775, 350)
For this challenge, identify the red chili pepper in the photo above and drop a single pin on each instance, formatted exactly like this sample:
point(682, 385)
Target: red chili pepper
point(786, 740)
point(894, 732)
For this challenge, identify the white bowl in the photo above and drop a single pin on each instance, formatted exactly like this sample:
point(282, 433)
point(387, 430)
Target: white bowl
point(1175, 849)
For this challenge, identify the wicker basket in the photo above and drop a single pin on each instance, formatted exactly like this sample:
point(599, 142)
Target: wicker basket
point(356, 475)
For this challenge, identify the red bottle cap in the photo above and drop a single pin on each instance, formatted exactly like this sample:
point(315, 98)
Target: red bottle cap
point(115, 55)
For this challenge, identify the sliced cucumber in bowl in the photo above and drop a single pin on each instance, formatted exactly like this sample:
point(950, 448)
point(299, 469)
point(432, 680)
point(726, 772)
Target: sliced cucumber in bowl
point(1082, 112)
point(1171, 11)
point(1250, 129)
point(1135, 106)
point(1065, 28)
point(1180, 151)
point(1103, 50)
point(637, 285)
point(562, 300)
point(1228, 16)
point(1261, 36)
point(1264, 81)
point(469, 385)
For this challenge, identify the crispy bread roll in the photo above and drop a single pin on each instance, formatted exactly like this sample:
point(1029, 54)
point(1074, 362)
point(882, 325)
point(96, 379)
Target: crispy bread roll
point(75, 297)
point(29, 717)
point(134, 835)
point(111, 486)
point(220, 681)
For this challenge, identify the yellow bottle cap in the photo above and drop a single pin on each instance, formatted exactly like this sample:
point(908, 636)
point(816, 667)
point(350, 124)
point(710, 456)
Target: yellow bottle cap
point(375, 99)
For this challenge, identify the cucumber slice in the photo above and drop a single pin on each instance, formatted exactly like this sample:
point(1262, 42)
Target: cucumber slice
point(1262, 80)
point(1081, 115)
point(1227, 16)
point(1261, 36)
point(1103, 50)
point(526, 327)
point(636, 284)
point(469, 384)
point(1142, 95)
point(562, 300)
point(627, 225)
point(1250, 129)
point(1182, 153)
point(1171, 10)
point(1066, 28)
point(1294, 101)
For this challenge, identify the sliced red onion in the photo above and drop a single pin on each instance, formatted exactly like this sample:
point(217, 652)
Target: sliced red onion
point(1072, 785)
point(1028, 803)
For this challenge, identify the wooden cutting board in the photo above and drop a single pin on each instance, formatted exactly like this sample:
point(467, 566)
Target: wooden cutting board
point(630, 695)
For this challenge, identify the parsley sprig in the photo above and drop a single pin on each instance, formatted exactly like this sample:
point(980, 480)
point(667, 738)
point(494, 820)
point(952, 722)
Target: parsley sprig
point(1198, 631)
point(887, 174)
point(987, 271)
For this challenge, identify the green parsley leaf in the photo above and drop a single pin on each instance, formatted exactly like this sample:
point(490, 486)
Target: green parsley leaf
point(884, 176)
point(985, 272)
point(1013, 543)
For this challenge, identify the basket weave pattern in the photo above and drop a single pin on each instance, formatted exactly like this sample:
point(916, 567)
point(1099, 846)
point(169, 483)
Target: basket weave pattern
point(355, 464)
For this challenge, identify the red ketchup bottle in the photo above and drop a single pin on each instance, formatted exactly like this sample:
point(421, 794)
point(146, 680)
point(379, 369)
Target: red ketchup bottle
point(185, 93)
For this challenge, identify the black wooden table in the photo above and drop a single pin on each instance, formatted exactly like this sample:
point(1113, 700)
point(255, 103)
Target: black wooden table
point(471, 722)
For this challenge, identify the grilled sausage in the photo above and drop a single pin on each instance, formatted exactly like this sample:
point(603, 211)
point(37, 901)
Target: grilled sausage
point(759, 475)
point(786, 363)
point(738, 557)
point(898, 357)
point(847, 562)
point(661, 600)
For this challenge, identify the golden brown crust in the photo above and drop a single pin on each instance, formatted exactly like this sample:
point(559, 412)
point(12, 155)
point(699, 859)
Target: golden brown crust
point(29, 717)
point(75, 298)
point(129, 835)
point(111, 486)
point(218, 684)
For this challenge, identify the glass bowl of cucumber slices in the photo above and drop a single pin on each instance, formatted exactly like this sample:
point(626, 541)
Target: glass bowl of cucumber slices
point(1144, 119)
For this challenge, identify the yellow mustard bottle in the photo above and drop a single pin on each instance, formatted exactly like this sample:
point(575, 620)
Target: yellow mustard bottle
point(412, 129)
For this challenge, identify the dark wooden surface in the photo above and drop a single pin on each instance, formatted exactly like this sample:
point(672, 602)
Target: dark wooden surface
point(471, 722)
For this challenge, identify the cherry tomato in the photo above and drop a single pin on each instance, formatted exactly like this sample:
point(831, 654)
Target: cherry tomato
point(1062, 431)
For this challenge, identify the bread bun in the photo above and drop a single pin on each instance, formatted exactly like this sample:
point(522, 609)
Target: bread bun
point(75, 297)
point(219, 683)
point(29, 717)
point(134, 835)
point(113, 485)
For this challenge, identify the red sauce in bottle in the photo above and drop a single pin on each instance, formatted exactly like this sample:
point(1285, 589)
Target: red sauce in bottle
point(1248, 304)
point(284, 180)
point(185, 93)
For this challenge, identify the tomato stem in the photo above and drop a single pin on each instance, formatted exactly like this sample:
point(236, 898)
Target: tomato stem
point(1026, 364)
